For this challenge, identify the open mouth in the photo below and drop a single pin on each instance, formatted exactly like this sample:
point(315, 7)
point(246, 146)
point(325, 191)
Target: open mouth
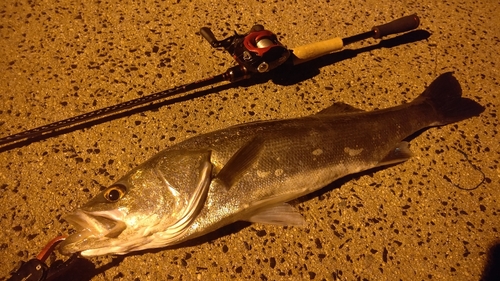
point(95, 226)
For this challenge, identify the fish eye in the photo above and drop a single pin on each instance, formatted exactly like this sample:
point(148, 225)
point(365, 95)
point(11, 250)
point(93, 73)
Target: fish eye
point(114, 193)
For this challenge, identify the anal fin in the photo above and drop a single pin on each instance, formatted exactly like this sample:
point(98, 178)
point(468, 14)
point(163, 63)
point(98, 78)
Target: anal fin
point(399, 154)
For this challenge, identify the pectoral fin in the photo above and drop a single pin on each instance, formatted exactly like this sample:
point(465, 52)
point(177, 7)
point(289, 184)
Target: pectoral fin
point(283, 214)
point(399, 154)
point(240, 163)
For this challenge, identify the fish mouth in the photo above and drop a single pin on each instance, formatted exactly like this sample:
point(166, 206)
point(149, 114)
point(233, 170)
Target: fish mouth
point(91, 227)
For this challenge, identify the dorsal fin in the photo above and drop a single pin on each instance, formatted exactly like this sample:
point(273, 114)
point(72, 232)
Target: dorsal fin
point(338, 108)
point(240, 162)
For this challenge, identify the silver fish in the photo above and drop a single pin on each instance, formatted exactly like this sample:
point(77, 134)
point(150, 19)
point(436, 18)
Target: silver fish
point(248, 172)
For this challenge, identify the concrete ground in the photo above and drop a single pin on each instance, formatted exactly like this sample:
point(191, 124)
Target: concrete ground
point(434, 217)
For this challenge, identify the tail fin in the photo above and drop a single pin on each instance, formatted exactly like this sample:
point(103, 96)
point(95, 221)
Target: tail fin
point(445, 96)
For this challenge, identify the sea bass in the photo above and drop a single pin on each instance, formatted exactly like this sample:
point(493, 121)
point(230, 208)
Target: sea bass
point(249, 172)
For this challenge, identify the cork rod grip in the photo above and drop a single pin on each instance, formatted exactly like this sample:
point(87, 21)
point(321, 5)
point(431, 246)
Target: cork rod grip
point(314, 50)
point(311, 51)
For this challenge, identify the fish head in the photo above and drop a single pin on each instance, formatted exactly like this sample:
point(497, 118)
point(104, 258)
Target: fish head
point(150, 207)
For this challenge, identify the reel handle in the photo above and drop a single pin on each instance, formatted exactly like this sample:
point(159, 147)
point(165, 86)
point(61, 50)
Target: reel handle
point(209, 36)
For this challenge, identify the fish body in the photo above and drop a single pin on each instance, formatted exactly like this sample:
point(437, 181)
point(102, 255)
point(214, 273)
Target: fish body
point(248, 172)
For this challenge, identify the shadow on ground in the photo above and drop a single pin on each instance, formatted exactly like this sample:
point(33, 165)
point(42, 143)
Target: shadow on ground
point(491, 271)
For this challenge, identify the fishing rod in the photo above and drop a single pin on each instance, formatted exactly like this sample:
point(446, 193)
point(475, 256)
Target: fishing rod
point(255, 52)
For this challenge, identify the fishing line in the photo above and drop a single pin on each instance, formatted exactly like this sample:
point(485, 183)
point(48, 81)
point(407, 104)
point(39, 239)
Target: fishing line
point(474, 167)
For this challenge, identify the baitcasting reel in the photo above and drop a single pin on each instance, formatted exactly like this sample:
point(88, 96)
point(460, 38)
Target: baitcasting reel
point(258, 51)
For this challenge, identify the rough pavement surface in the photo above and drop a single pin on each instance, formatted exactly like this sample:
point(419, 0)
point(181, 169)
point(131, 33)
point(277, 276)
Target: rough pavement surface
point(412, 221)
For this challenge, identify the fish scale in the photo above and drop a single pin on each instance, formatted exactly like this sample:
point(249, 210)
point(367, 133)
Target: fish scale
point(301, 171)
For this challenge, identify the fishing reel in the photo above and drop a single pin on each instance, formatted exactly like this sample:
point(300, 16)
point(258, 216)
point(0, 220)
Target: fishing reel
point(258, 51)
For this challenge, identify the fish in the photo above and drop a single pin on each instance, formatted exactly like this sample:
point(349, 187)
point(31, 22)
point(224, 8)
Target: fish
point(251, 171)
